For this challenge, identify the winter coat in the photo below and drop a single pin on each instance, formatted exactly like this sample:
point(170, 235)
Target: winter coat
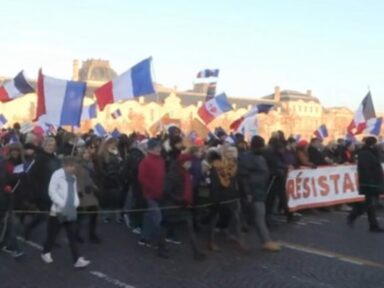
point(303, 158)
point(152, 176)
point(275, 161)
point(370, 172)
point(58, 192)
point(316, 157)
point(255, 173)
point(111, 184)
point(41, 173)
point(85, 185)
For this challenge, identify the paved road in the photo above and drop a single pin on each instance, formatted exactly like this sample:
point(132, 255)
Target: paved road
point(319, 251)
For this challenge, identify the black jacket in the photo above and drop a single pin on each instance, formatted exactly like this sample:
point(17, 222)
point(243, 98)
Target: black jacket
point(41, 173)
point(370, 171)
point(316, 157)
point(255, 174)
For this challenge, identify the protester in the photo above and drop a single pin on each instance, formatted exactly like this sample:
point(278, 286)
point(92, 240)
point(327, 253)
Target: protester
point(152, 180)
point(112, 194)
point(316, 153)
point(371, 184)
point(302, 154)
point(87, 190)
point(64, 196)
point(46, 163)
point(255, 166)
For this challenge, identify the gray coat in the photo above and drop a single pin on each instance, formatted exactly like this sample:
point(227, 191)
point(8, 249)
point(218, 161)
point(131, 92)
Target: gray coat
point(254, 174)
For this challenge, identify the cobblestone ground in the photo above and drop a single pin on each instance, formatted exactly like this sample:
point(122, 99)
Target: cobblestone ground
point(319, 251)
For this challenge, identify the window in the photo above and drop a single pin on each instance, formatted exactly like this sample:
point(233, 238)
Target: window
point(152, 115)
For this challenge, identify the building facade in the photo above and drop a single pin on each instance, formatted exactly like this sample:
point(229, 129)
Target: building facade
point(294, 112)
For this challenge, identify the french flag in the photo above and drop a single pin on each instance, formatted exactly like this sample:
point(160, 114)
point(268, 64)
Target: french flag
point(59, 102)
point(321, 132)
point(115, 133)
point(15, 88)
point(3, 120)
point(214, 108)
point(135, 82)
point(261, 108)
point(100, 130)
point(116, 114)
point(89, 112)
point(207, 73)
point(374, 126)
point(365, 112)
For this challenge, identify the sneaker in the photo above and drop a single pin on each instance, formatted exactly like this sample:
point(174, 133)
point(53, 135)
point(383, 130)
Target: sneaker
point(272, 246)
point(137, 231)
point(47, 258)
point(173, 241)
point(144, 243)
point(17, 254)
point(7, 250)
point(81, 263)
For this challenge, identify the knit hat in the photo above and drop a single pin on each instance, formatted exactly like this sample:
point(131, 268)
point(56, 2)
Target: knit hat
point(302, 143)
point(153, 143)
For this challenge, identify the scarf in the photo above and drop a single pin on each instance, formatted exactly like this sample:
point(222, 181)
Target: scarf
point(69, 211)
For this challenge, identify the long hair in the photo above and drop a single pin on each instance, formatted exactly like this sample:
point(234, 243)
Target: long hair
point(103, 154)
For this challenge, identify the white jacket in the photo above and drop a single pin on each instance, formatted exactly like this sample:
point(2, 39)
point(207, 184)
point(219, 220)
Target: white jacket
point(58, 192)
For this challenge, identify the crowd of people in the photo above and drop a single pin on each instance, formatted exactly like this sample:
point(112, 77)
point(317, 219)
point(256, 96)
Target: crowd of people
point(159, 185)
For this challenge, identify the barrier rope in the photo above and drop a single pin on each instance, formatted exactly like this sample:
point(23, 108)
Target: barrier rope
point(174, 207)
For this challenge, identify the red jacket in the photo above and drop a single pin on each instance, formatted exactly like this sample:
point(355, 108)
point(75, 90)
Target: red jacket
point(152, 176)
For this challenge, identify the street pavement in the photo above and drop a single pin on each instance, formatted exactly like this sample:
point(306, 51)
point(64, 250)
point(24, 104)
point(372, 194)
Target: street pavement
point(320, 250)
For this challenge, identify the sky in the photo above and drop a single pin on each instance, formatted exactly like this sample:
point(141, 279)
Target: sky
point(334, 48)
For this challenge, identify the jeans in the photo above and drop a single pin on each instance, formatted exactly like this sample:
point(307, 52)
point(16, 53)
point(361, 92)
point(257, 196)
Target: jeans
point(261, 227)
point(53, 229)
point(92, 220)
point(151, 223)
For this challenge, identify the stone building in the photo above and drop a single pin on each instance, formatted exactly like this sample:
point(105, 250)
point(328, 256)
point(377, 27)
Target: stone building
point(294, 112)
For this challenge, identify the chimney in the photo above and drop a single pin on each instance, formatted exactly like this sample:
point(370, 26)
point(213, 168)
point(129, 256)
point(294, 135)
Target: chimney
point(200, 88)
point(309, 92)
point(277, 96)
point(75, 72)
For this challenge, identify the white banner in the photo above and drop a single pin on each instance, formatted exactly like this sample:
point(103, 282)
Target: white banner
point(321, 187)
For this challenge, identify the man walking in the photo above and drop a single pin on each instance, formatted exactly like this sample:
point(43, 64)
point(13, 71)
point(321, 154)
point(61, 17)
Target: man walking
point(63, 194)
point(371, 184)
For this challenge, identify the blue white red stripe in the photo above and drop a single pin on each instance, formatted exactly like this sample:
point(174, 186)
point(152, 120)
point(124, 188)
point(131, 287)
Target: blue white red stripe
point(261, 108)
point(60, 102)
point(321, 132)
point(135, 82)
point(207, 73)
point(365, 112)
point(214, 108)
point(15, 88)
point(116, 114)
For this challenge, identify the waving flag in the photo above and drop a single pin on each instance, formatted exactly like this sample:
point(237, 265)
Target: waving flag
point(365, 112)
point(59, 102)
point(115, 133)
point(89, 112)
point(261, 108)
point(3, 120)
point(321, 132)
point(214, 108)
point(116, 114)
point(207, 73)
point(374, 126)
point(15, 88)
point(135, 82)
point(100, 130)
